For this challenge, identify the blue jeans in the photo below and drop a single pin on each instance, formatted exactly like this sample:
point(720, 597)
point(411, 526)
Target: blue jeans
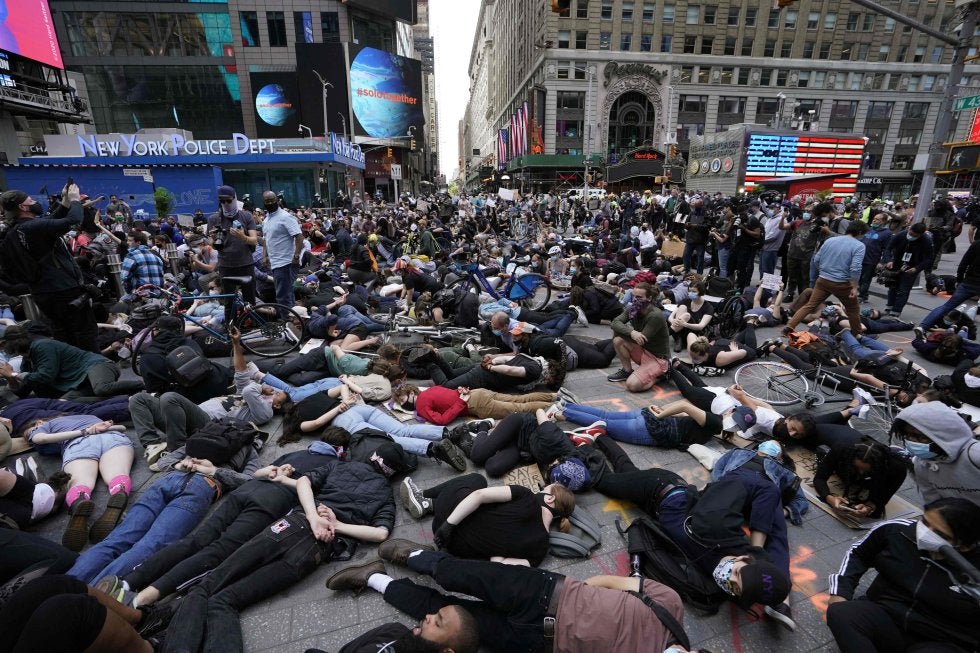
point(962, 293)
point(304, 391)
point(414, 438)
point(624, 426)
point(723, 256)
point(556, 326)
point(350, 311)
point(863, 348)
point(694, 257)
point(284, 277)
point(899, 295)
point(767, 261)
point(165, 512)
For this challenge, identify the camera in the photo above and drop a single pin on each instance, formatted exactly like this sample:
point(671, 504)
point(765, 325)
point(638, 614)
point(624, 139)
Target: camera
point(818, 224)
point(219, 239)
point(888, 278)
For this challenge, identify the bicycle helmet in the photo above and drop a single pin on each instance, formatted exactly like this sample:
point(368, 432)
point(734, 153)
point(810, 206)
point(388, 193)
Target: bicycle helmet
point(554, 251)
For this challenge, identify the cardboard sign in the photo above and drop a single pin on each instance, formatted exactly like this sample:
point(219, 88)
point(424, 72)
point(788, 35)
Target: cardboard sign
point(771, 281)
point(528, 476)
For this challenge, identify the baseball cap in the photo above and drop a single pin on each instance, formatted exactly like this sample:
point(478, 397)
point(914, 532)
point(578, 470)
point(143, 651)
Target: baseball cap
point(763, 582)
point(741, 419)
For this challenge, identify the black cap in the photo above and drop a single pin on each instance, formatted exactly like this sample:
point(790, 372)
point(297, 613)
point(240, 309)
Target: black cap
point(763, 582)
point(11, 199)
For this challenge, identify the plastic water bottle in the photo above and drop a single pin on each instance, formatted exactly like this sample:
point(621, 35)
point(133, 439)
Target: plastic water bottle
point(236, 224)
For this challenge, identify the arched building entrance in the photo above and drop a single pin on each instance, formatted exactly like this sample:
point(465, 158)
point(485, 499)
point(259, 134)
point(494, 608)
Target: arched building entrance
point(632, 123)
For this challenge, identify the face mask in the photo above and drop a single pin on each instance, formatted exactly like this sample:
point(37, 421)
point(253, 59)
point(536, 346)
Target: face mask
point(911, 238)
point(541, 501)
point(928, 540)
point(271, 207)
point(807, 217)
point(693, 295)
point(36, 209)
point(73, 234)
point(920, 450)
point(497, 333)
point(124, 353)
point(229, 210)
point(573, 271)
point(640, 304)
point(723, 576)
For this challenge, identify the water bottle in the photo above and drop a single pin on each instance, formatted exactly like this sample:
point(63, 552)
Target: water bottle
point(236, 224)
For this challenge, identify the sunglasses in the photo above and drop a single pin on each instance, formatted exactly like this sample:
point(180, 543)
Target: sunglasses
point(225, 201)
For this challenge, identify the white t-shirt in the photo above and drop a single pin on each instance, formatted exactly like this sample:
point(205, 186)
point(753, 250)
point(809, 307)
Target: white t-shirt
point(765, 418)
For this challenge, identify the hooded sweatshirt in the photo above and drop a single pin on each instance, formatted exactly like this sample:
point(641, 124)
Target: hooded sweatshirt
point(955, 474)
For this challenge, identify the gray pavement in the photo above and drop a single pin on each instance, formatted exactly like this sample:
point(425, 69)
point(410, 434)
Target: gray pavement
point(309, 615)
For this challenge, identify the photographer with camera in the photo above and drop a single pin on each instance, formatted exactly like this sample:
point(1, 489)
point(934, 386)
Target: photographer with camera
point(939, 222)
point(49, 269)
point(909, 253)
point(233, 235)
point(808, 232)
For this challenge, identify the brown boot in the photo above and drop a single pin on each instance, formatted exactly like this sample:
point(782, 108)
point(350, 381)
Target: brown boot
point(113, 512)
point(356, 577)
point(76, 533)
point(396, 550)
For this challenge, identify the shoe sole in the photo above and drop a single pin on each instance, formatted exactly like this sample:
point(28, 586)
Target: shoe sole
point(781, 619)
point(76, 533)
point(112, 586)
point(336, 579)
point(451, 455)
point(413, 507)
point(113, 512)
point(388, 548)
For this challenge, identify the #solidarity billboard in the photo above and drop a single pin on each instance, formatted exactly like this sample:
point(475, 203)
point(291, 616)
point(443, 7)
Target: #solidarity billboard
point(329, 60)
point(26, 29)
point(276, 100)
point(386, 93)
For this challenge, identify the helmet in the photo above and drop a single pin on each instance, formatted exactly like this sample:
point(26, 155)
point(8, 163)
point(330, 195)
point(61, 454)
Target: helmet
point(554, 251)
point(373, 238)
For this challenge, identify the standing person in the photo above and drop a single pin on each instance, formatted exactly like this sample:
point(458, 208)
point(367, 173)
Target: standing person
point(642, 337)
point(940, 224)
point(747, 236)
point(910, 252)
point(771, 243)
point(696, 237)
point(236, 229)
point(876, 241)
point(283, 247)
point(117, 205)
point(59, 292)
point(967, 285)
point(838, 265)
point(807, 234)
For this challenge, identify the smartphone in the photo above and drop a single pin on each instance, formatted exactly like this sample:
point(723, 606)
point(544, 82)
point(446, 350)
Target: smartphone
point(846, 508)
point(70, 182)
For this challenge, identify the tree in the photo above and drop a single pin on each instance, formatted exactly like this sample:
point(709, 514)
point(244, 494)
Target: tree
point(163, 199)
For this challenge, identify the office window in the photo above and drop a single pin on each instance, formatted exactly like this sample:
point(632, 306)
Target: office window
point(928, 82)
point(690, 44)
point(765, 79)
point(903, 52)
point(878, 81)
point(767, 106)
point(872, 161)
point(914, 82)
point(646, 43)
point(876, 135)
point(786, 49)
point(903, 161)
point(564, 8)
point(919, 55)
point(330, 26)
point(830, 20)
point(847, 51)
point(627, 11)
point(276, 20)
point(937, 54)
point(869, 23)
point(625, 41)
point(667, 17)
point(889, 25)
point(803, 80)
point(883, 52)
point(564, 39)
point(808, 49)
point(917, 110)
point(824, 51)
point(303, 24)
point(250, 28)
point(781, 77)
point(770, 49)
point(687, 74)
point(773, 19)
point(893, 81)
point(605, 38)
point(578, 71)
point(813, 20)
point(727, 74)
point(704, 75)
point(606, 10)
point(649, 9)
point(743, 76)
point(818, 79)
point(852, 21)
point(693, 103)
point(731, 105)
point(563, 69)
point(839, 82)
point(707, 42)
point(582, 9)
point(747, 46)
point(790, 19)
point(666, 43)
point(880, 110)
point(581, 40)
point(689, 129)
point(710, 12)
point(568, 128)
point(855, 80)
point(694, 14)
point(751, 13)
point(862, 52)
point(843, 109)
point(730, 45)
point(570, 100)
point(733, 16)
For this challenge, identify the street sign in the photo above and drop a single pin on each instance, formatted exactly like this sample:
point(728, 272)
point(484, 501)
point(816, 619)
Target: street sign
point(969, 102)
point(396, 171)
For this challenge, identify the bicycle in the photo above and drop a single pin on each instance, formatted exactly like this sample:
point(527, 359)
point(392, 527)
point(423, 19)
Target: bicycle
point(779, 384)
point(267, 330)
point(404, 327)
point(531, 290)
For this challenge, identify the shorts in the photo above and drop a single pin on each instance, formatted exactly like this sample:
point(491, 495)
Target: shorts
point(649, 367)
point(92, 447)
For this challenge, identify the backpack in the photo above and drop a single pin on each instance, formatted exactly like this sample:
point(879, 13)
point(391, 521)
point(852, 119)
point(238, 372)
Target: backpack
point(19, 265)
point(719, 286)
point(220, 440)
point(380, 450)
point(584, 536)
point(957, 227)
point(188, 367)
point(662, 560)
point(212, 346)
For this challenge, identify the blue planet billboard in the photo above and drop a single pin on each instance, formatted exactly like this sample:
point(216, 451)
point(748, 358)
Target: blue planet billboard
point(386, 93)
point(276, 100)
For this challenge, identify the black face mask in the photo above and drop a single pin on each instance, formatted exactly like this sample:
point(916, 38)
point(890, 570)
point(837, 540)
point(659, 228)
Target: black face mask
point(271, 206)
point(36, 209)
point(554, 511)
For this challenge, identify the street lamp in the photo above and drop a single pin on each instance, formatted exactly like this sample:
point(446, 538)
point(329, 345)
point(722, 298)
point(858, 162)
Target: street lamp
point(325, 84)
point(308, 130)
point(343, 121)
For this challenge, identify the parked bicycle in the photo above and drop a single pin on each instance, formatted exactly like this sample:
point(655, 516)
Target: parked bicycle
point(531, 290)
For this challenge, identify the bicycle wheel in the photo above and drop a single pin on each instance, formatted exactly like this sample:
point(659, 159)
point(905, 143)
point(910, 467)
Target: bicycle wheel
point(730, 317)
point(876, 424)
point(531, 290)
point(270, 330)
point(467, 283)
point(774, 383)
point(400, 320)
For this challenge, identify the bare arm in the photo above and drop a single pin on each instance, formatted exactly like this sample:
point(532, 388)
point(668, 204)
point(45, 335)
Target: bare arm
point(469, 505)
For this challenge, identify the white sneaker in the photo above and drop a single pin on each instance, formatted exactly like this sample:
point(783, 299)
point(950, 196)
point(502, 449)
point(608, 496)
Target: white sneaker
point(552, 411)
point(864, 397)
point(152, 452)
point(581, 320)
point(707, 457)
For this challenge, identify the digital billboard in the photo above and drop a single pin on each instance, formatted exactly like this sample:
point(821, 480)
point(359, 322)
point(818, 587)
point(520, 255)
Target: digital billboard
point(329, 60)
point(276, 100)
point(769, 156)
point(26, 29)
point(398, 9)
point(386, 93)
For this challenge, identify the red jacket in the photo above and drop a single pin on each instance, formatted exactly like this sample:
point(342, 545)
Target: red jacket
point(439, 405)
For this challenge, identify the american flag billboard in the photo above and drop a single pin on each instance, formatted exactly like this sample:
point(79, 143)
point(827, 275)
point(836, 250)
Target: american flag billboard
point(773, 156)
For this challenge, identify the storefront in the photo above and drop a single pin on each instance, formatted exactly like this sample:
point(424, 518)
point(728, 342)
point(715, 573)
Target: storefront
point(133, 166)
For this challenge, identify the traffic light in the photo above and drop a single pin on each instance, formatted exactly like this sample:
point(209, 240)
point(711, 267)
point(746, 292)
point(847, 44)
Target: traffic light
point(672, 152)
point(391, 153)
point(413, 143)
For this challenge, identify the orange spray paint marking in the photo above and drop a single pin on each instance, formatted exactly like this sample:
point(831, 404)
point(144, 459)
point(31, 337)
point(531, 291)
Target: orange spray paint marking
point(661, 394)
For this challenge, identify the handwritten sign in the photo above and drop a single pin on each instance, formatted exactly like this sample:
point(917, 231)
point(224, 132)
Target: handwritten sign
point(528, 476)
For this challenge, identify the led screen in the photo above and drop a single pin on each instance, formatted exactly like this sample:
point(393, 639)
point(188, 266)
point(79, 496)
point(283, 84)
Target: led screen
point(771, 156)
point(26, 29)
point(386, 93)
point(276, 99)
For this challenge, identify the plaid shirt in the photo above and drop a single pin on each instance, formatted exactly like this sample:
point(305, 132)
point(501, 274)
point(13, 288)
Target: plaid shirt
point(141, 266)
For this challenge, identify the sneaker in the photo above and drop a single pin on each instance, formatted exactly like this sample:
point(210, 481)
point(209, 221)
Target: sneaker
point(919, 332)
point(152, 452)
point(396, 549)
point(580, 319)
point(76, 533)
point(413, 500)
point(356, 577)
point(566, 395)
point(864, 397)
point(578, 439)
point(27, 467)
point(552, 411)
point(621, 375)
point(480, 425)
point(155, 618)
point(114, 586)
point(783, 615)
point(113, 513)
point(448, 452)
point(593, 430)
point(763, 349)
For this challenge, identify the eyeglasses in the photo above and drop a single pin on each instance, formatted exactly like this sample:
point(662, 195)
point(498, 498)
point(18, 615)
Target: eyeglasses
point(224, 200)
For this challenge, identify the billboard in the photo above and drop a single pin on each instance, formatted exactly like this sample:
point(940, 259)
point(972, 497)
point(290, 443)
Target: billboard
point(26, 29)
point(398, 9)
point(386, 93)
point(276, 100)
point(330, 61)
point(769, 156)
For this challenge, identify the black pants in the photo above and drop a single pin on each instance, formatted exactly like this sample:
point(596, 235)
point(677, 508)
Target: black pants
point(446, 496)
point(75, 325)
point(642, 487)
point(281, 555)
point(27, 556)
point(229, 288)
point(300, 370)
point(237, 519)
point(863, 626)
point(497, 451)
point(741, 265)
point(53, 613)
point(592, 357)
point(520, 594)
point(692, 387)
point(472, 377)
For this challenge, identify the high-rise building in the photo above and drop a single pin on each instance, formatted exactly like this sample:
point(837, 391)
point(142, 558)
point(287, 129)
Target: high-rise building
point(603, 77)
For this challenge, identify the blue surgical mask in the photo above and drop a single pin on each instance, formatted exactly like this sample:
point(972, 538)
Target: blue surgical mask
point(693, 295)
point(911, 238)
point(572, 271)
point(807, 216)
point(920, 450)
point(497, 333)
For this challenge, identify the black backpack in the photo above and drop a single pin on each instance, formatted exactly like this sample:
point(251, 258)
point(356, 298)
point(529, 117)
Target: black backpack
point(380, 450)
point(18, 264)
point(212, 346)
point(187, 366)
point(662, 560)
point(220, 440)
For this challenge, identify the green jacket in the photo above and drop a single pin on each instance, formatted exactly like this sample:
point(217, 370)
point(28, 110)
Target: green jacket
point(60, 365)
point(653, 325)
